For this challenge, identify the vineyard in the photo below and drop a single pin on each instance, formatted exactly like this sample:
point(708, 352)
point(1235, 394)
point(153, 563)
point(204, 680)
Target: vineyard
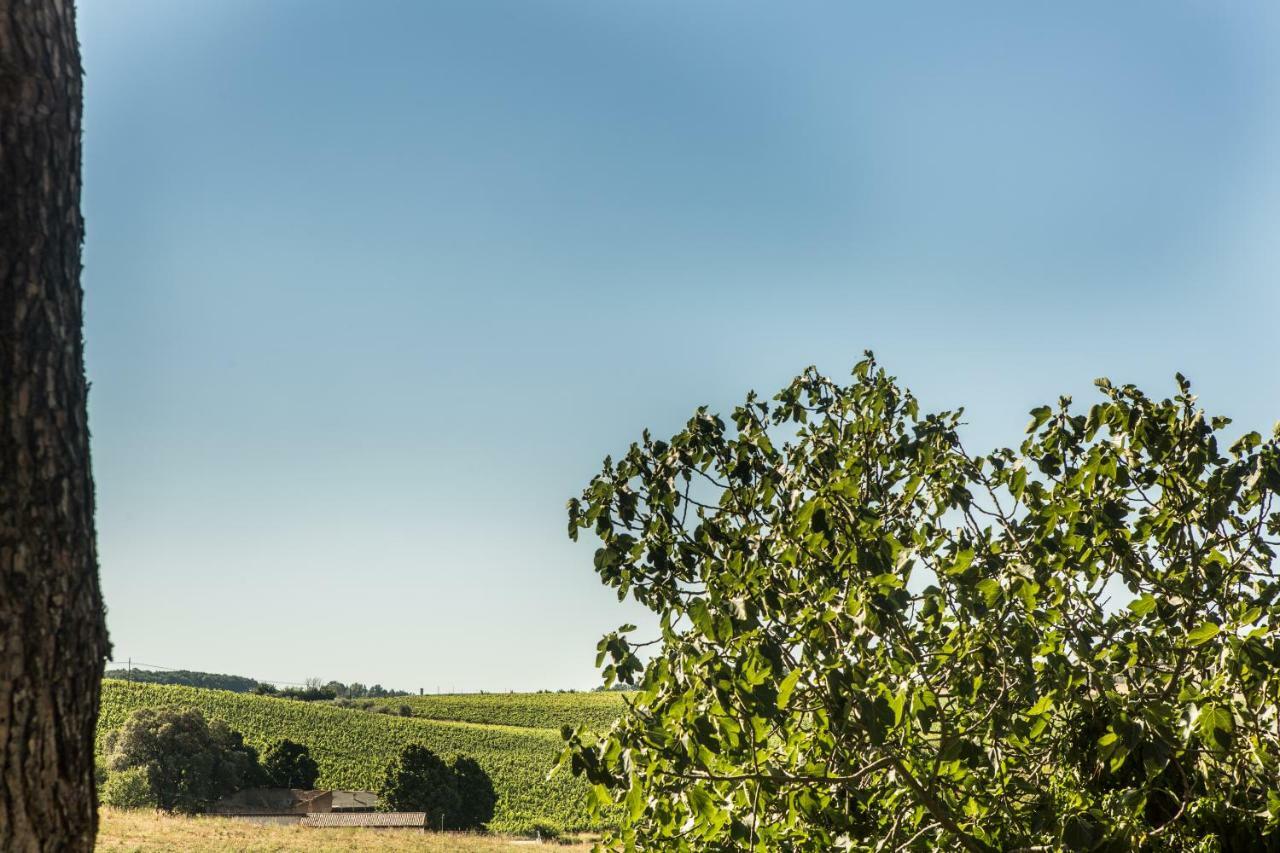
point(527, 710)
point(353, 746)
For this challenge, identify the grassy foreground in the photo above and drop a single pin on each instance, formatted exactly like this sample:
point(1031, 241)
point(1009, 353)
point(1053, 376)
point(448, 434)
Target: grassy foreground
point(123, 830)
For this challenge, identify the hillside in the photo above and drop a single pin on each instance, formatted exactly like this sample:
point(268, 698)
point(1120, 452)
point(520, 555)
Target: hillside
point(527, 710)
point(353, 746)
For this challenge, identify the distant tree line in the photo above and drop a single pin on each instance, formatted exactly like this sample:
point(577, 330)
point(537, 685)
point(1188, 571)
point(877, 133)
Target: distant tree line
point(188, 678)
point(316, 691)
point(313, 690)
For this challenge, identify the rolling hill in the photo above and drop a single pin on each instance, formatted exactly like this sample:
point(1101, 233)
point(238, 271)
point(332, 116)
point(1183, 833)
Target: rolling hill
point(514, 737)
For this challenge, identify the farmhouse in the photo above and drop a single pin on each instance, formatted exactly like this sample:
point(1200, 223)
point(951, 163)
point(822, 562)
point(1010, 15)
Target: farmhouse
point(289, 806)
point(273, 802)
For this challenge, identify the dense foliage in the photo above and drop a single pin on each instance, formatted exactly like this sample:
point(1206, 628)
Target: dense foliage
point(188, 762)
point(477, 798)
point(875, 639)
point(352, 748)
point(418, 780)
point(289, 765)
point(190, 678)
point(459, 796)
point(532, 710)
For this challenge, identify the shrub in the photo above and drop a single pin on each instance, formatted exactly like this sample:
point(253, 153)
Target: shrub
point(129, 789)
point(542, 830)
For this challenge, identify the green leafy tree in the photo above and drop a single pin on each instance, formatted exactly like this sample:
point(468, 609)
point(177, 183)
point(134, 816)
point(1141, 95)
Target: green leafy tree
point(418, 780)
point(874, 639)
point(189, 762)
point(286, 764)
point(477, 798)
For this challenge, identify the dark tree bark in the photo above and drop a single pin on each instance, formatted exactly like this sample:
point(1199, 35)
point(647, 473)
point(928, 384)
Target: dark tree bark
point(53, 636)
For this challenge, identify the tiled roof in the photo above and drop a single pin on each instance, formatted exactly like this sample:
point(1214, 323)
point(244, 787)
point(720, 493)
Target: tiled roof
point(417, 820)
point(266, 800)
point(354, 799)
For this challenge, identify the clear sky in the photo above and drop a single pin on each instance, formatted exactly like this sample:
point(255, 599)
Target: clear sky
point(373, 287)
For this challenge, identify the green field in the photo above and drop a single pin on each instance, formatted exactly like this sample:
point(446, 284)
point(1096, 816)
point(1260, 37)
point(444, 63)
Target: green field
point(528, 710)
point(353, 746)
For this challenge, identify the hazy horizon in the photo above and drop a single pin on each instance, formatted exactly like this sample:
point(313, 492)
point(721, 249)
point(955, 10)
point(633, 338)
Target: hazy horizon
point(371, 290)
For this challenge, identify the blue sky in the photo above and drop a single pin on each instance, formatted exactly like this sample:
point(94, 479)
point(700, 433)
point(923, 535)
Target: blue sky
point(372, 288)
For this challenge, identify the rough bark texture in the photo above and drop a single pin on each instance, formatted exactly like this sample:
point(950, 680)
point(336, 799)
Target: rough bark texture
point(52, 632)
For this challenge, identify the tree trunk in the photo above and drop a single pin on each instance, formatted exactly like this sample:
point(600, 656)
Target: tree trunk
point(53, 636)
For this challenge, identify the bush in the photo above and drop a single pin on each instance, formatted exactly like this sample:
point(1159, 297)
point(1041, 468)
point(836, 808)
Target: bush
point(542, 830)
point(289, 765)
point(129, 789)
point(189, 762)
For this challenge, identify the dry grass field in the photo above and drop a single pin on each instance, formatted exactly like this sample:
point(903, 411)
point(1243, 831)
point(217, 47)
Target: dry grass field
point(147, 831)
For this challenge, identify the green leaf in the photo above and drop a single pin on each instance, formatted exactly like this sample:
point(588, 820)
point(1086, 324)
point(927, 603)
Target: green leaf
point(1142, 605)
point(963, 559)
point(635, 801)
point(1113, 750)
point(1039, 415)
point(1042, 706)
point(701, 803)
point(898, 703)
point(787, 686)
point(1215, 726)
point(1202, 634)
point(989, 589)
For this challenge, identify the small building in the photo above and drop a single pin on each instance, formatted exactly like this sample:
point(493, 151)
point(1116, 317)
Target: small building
point(272, 805)
point(368, 820)
point(345, 802)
